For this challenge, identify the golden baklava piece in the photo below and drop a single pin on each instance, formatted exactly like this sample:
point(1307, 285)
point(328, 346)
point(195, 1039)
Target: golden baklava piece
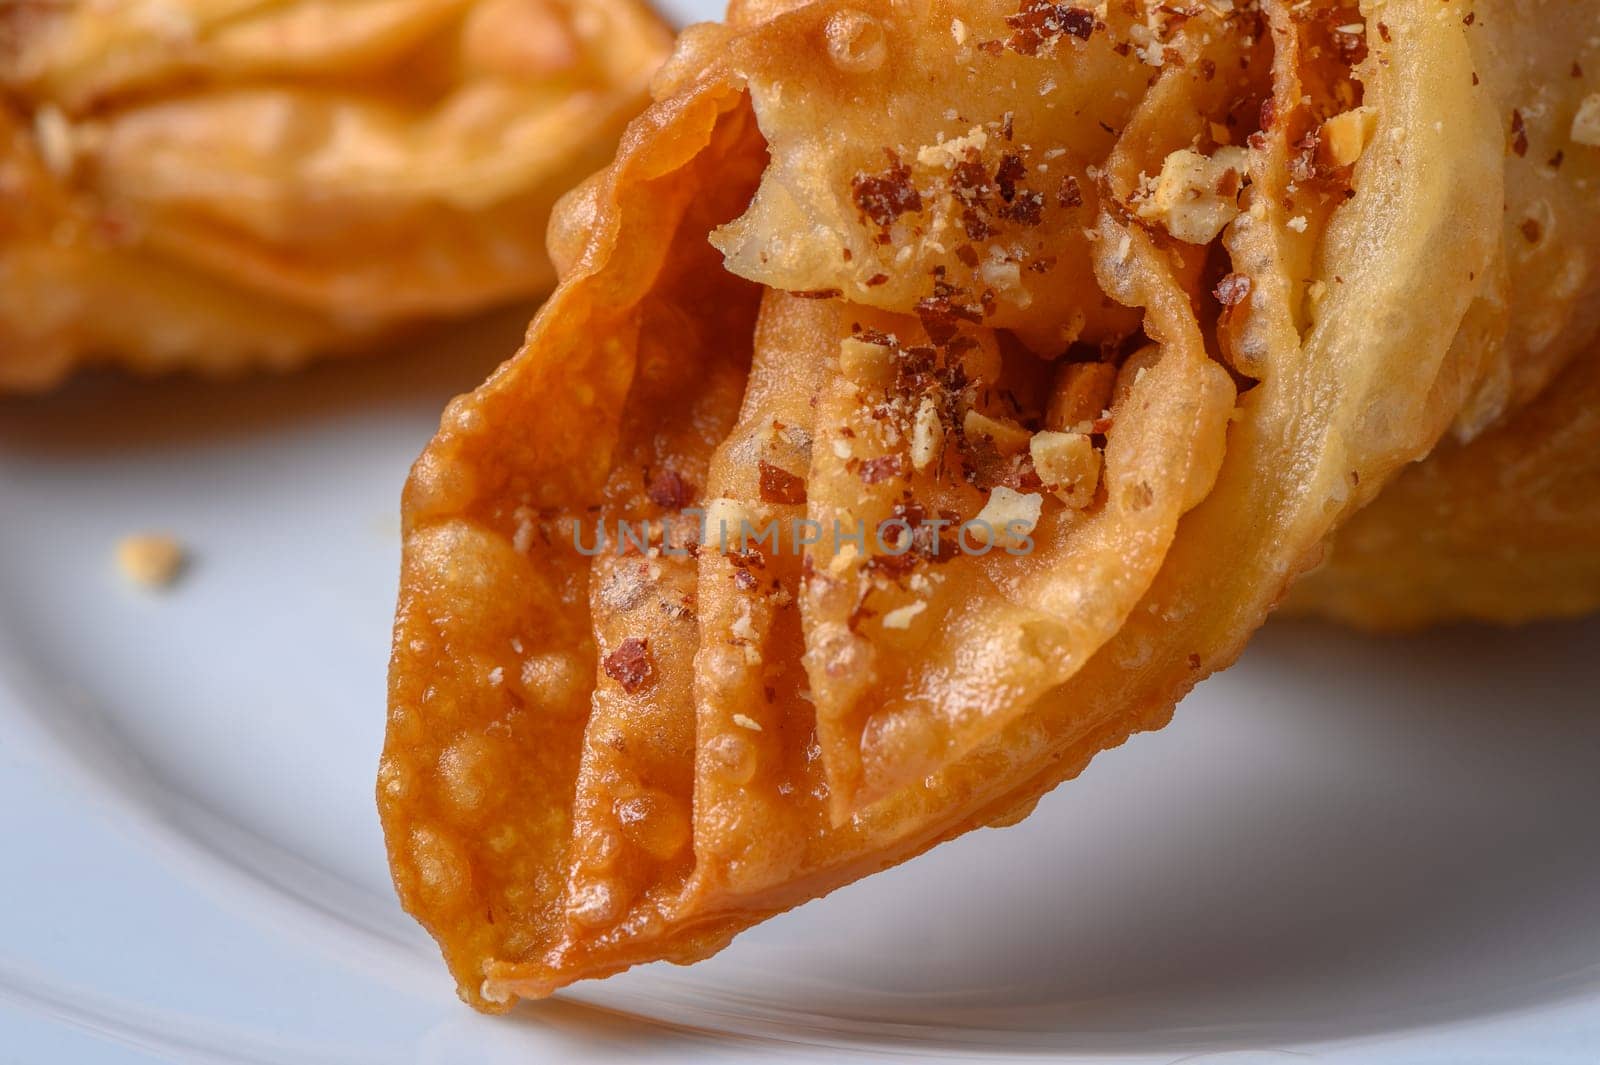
point(216, 184)
point(935, 392)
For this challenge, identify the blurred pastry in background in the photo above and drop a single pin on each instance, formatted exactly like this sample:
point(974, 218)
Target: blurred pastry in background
point(222, 184)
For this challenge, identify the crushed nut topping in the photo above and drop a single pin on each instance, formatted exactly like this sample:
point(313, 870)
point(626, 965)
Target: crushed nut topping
point(1068, 464)
point(1039, 24)
point(1007, 516)
point(1007, 436)
point(874, 471)
point(725, 523)
point(670, 491)
point(1345, 136)
point(57, 146)
point(1233, 290)
point(629, 665)
point(948, 153)
point(1195, 196)
point(780, 486)
point(901, 617)
point(1081, 393)
point(927, 435)
point(153, 560)
point(865, 362)
point(885, 196)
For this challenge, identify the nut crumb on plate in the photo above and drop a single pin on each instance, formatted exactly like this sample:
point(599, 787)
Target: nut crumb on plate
point(153, 560)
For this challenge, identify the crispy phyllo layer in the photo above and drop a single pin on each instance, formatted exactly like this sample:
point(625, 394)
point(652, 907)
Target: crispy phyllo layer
point(215, 184)
point(934, 394)
point(1502, 522)
point(1503, 529)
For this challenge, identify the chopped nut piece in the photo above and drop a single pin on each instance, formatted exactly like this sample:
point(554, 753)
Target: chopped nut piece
point(1233, 290)
point(1068, 464)
point(745, 721)
point(670, 491)
point(57, 146)
point(1006, 278)
point(1081, 391)
point(900, 617)
point(1344, 137)
point(1008, 437)
point(1039, 24)
point(629, 665)
point(885, 196)
point(1196, 196)
point(1007, 516)
point(948, 153)
point(864, 363)
point(153, 560)
point(875, 471)
point(744, 626)
point(1586, 123)
point(927, 435)
point(780, 486)
point(726, 519)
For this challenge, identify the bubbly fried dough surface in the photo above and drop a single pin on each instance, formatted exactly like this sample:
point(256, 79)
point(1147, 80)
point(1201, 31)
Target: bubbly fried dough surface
point(212, 184)
point(1094, 322)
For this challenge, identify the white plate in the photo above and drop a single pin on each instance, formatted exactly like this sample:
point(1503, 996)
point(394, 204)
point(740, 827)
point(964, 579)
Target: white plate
point(1344, 850)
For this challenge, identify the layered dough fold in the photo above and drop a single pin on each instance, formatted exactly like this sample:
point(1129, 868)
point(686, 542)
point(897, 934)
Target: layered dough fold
point(212, 184)
point(934, 394)
point(1502, 522)
point(1504, 529)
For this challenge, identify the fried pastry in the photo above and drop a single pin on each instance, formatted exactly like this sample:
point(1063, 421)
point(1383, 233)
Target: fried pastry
point(1502, 522)
point(934, 394)
point(212, 184)
point(1504, 528)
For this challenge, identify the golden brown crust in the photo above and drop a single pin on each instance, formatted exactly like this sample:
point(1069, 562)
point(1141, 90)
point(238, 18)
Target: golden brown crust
point(485, 867)
point(848, 710)
point(214, 187)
